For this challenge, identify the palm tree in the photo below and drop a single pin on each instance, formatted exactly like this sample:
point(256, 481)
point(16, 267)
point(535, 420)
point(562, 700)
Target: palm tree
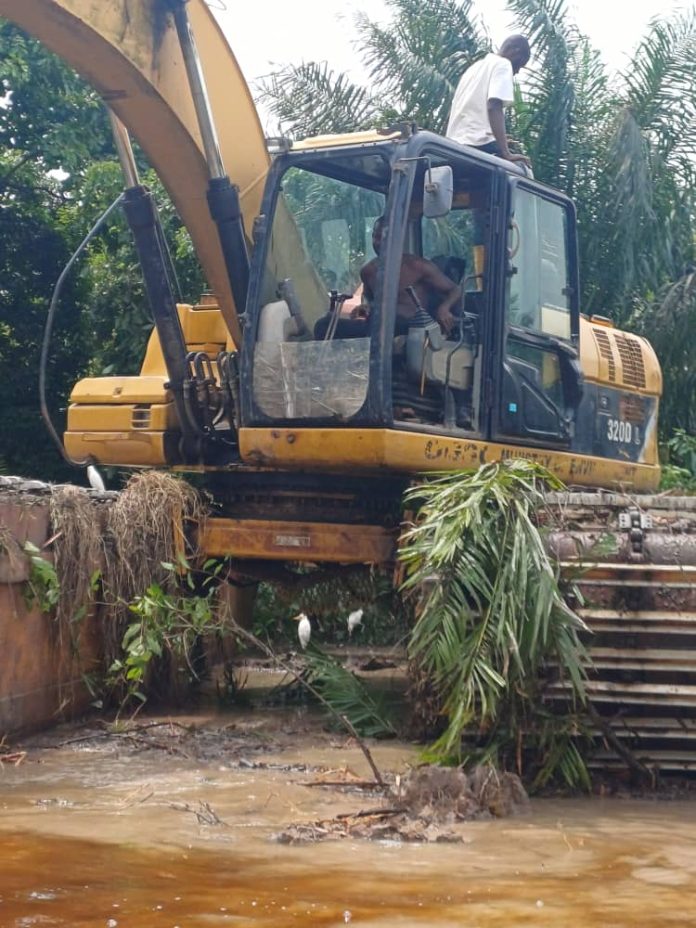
point(414, 64)
point(623, 154)
point(419, 57)
point(310, 99)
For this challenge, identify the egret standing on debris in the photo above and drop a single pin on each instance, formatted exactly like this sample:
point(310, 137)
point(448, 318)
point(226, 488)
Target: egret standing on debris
point(95, 479)
point(304, 629)
point(354, 619)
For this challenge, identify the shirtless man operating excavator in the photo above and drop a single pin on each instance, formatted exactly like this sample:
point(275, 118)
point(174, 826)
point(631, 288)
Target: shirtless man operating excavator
point(431, 286)
point(427, 280)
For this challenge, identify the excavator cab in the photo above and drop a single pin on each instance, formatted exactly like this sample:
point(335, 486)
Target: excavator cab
point(510, 366)
point(323, 382)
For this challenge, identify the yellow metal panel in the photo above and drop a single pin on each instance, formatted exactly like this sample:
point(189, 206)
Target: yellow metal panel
point(298, 541)
point(590, 360)
point(653, 371)
point(129, 52)
point(119, 418)
point(348, 138)
point(602, 362)
point(153, 362)
point(127, 448)
point(203, 325)
point(371, 450)
point(204, 330)
point(94, 390)
point(212, 349)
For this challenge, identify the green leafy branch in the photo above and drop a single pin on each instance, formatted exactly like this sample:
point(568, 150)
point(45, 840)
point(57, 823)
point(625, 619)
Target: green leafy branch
point(348, 696)
point(166, 627)
point(42, 588)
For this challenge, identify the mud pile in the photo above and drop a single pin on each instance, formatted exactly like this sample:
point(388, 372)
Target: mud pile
point(425, 806)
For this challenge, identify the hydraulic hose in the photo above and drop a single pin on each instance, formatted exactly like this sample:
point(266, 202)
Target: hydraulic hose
point(48, 331)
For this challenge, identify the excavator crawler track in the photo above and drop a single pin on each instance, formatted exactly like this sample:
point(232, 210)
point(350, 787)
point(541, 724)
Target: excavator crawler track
point(633, 560)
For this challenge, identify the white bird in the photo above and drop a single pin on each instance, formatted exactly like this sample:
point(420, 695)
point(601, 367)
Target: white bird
point(304, 629)
point(95, 478)
point(354, 619)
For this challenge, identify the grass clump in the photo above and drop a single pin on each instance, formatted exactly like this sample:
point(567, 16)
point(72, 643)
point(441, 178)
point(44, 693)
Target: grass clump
point(77, 531)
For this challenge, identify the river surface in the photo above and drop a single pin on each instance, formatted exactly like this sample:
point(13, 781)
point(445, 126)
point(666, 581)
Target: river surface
point(106, 833)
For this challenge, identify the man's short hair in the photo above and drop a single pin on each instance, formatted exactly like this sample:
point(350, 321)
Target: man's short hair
point(519, 44)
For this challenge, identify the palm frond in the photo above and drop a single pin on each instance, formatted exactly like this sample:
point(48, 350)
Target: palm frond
point(546, 121)
point(348, 696)
point(492, 612)
point(649, 163)
point(661, 84)
point(669, 319)
point(419, 56)
point(310, 99)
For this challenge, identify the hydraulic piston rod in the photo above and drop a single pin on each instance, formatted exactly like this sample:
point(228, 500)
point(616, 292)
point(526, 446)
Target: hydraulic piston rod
point(223, 196)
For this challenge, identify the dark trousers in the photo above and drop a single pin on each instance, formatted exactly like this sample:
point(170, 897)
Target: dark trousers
point(490, 148)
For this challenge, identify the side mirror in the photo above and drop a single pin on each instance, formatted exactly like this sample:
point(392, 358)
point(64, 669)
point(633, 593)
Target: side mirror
point(438, 190)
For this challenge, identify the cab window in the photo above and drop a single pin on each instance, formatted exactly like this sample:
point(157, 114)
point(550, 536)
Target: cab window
point(539, 295)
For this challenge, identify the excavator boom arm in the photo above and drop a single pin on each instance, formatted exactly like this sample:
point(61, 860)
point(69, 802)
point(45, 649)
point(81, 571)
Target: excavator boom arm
point(129, 52)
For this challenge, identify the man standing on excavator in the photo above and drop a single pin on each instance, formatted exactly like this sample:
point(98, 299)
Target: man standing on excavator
point(477, 117)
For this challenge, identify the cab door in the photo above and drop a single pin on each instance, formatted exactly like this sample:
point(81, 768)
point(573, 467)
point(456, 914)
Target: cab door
point(539, 377)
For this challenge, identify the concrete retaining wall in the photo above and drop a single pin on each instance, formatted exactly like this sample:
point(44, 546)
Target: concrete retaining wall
point(41, 667)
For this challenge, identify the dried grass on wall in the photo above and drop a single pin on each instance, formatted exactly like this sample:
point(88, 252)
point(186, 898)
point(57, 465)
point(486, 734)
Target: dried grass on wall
point(145, 528)
point(77, 526)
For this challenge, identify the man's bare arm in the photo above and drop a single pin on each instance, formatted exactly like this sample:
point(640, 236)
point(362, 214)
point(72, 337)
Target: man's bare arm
point(432, 277)
point(496, 117)
point(367, 275)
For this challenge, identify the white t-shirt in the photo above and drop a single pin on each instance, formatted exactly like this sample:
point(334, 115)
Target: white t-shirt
point(488, 79)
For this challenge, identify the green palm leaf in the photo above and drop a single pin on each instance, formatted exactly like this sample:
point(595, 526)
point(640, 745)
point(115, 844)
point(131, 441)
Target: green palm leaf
point(420, 55)
point(310, 99)
point(492, 613)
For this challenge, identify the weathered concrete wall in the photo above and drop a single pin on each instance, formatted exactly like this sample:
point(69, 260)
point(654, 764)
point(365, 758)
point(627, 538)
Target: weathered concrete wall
point(42, 667)
point(44, 662)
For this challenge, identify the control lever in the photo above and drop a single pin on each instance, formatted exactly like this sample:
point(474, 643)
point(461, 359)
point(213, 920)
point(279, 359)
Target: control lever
point(286, 291)
point(422, 318)
point(336, 301)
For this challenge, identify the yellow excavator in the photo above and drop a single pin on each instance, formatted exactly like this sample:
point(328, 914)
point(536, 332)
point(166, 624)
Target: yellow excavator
point(307, 423)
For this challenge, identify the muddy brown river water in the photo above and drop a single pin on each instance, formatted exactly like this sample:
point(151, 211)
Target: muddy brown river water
point(108, 832)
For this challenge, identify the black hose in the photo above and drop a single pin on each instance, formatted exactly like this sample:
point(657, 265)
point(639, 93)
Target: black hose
point(48, 330)
point(164, 245)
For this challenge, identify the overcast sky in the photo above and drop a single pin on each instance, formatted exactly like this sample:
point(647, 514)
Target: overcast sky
point(264, 34)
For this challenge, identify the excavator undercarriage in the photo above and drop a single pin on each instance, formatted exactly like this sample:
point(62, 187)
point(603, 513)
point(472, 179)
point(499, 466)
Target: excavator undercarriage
point(628, 562)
